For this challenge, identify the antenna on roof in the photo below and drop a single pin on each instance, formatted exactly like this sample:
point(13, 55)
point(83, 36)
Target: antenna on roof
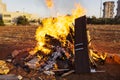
point(100, 8)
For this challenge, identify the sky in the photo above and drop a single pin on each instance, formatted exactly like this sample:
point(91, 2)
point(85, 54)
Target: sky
point(92, 7)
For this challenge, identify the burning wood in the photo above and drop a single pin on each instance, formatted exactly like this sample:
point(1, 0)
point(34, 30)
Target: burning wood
point(52, 60)
point(41, 62)
point(67, 73)
point(53, 51)
point(3, 67)
point(94, 56)
point(55, 45)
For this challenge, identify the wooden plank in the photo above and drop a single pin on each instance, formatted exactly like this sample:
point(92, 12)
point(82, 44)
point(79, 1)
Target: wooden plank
point(81, 46)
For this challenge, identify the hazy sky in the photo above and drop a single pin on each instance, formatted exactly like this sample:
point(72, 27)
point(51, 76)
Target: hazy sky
point(61, 6)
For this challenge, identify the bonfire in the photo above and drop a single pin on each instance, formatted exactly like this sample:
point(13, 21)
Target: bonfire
point(55, 43)
point(54, 50)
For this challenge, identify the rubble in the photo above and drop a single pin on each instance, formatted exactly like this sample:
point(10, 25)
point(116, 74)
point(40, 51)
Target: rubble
point(52, 60)
point(33, 63)
point(8, 77)
point(19, 77)
point(97, 58)
point(113, 58)
point(95, 71)
point(68, 73)
point(49, 72)
point(58, 61)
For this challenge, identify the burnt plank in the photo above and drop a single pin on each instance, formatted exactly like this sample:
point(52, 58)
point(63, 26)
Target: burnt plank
point(81, 46)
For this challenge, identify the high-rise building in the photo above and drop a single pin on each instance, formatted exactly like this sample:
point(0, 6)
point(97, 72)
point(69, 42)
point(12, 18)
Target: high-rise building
point(108, 10)
point(118, 9)
point(2, 7)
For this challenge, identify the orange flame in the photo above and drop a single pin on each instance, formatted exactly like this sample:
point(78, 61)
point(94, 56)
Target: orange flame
point(49, 3)
point(58, 28)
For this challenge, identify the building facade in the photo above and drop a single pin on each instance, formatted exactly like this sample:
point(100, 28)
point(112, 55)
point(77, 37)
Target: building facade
point(108, 10)
point(118, 9)
point(9, 18)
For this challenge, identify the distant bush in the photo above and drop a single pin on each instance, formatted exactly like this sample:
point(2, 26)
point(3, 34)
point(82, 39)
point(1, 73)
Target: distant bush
point(95, 20)
point(22, 20)
point(2, 23)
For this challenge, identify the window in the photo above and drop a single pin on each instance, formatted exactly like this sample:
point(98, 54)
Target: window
point(7, 21)
point(7, 15)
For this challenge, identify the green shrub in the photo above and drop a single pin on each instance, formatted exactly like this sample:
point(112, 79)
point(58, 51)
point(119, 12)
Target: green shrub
point(1, 23)
point(22, 20)
point(95, 20)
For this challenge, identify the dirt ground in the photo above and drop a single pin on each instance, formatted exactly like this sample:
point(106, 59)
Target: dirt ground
point(16, 37)
point(105, 38)
point(112, 72)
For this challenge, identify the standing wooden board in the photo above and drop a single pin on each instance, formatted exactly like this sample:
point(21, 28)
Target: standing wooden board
point(81, 46)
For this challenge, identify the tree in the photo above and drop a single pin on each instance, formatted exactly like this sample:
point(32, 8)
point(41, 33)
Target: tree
point(1, 23)
point(100, 21)
point(22, 20)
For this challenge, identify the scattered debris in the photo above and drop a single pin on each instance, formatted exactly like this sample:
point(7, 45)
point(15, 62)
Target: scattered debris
point(117, 58)
point(94, 71)
point(96, 58)
point(20, 77)
point(52, 60)
point(60, 70)
point(9, 60)
point(33, 63)
point(8, 77)
point(20, 59)
point(113, 58)
point(68, 73)
point(49, 72)
point(60, 61)
point(40, 78)
point(4, 69)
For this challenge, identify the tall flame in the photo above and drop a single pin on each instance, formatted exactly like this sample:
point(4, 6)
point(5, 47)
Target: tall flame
point(49, 3)
point(58, 28)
